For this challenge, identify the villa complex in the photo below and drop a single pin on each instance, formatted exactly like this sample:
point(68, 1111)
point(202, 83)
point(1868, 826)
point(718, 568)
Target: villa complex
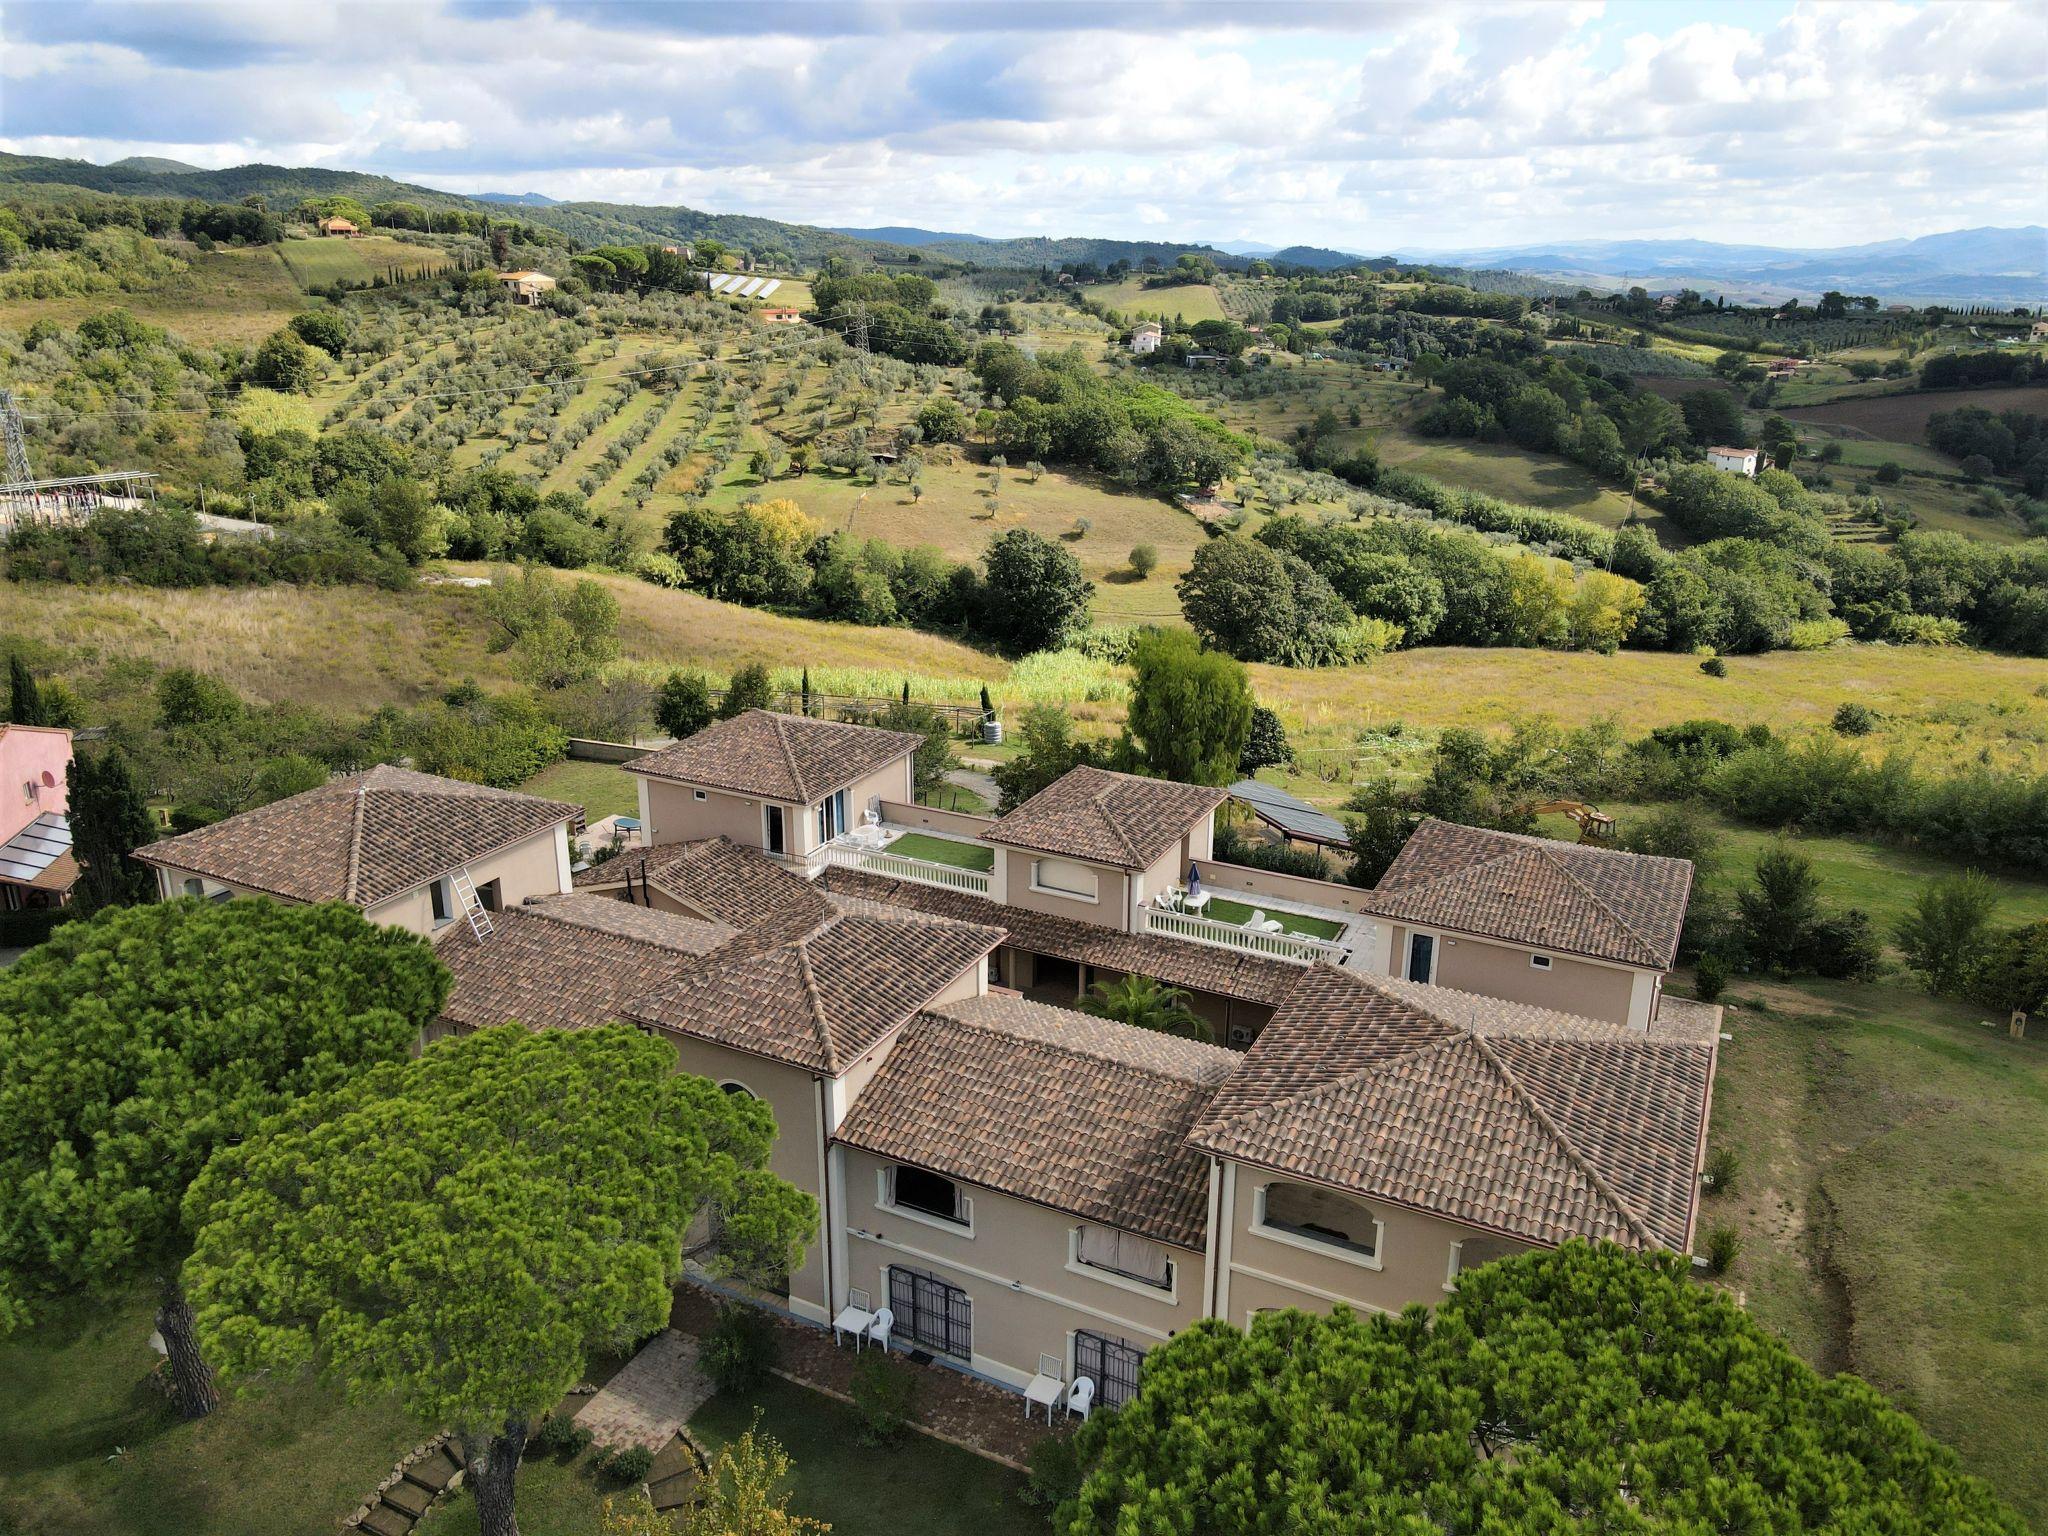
point(1474, 1058)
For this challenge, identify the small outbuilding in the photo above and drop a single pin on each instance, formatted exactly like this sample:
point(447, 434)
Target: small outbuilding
point(1734, 461)
point(345, 228)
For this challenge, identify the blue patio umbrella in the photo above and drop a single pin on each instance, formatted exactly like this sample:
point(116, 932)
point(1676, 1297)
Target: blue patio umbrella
point(1194, 880)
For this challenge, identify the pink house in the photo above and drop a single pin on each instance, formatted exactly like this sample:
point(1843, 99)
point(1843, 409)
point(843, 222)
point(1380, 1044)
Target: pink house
point(36, 867)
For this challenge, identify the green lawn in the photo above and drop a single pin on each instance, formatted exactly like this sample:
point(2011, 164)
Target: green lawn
point(88, 1448)
point(1878, 877)
point(602, 789)
point(942, 850)
point(1893, 1202)
point(919, 1487)
point(1238, 913)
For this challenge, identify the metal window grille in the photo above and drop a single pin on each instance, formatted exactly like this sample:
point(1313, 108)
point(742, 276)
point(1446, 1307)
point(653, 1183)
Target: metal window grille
point(1113, 1363)
point(937, 1315)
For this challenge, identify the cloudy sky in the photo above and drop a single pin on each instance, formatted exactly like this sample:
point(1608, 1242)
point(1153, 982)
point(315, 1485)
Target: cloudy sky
point(1372, 127)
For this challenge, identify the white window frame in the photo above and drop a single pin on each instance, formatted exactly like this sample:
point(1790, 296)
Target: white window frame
point(1076, 1265)
point(734, 1085)
point(1539, 962)
point(1053, 890)
point(768, 809)
point(698, 794)
point(885, 1201)
point(1375, 1260)
point(443, 889)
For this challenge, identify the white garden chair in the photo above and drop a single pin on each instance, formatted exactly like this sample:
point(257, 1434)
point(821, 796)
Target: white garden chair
point(880, 1329)
point(1081, 1397)
point(1044, 1388)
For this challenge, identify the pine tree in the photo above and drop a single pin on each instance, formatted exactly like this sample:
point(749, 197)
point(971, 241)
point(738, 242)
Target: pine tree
point(110, 819)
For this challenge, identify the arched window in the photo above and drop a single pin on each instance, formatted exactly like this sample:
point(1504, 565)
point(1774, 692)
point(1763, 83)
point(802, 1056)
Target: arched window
point(738, 1090)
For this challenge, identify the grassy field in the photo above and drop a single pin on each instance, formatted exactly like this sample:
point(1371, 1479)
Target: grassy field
point(1515, 474)
point(602, 789)
point(1892, 1198)
point(357, 649)
point(1903, 417)
point(316, 263)
point(963, 507)
point(227, 295)
point(89, 1448)
point(1876, 876)
point(1191, 302)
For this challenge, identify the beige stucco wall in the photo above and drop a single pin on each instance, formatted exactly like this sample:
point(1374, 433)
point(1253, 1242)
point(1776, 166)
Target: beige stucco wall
point(674, 814)
point(538, 866)
point(903, 813)
point(1259, 1270)
point(891, 782)
point(1014, 1244)
point(791, 1093)
point(1499, 970)
point(1110, 909)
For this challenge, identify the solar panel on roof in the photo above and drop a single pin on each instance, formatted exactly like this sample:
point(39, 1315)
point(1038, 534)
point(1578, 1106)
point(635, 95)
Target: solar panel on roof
point(1295, 817)
point(35, 847)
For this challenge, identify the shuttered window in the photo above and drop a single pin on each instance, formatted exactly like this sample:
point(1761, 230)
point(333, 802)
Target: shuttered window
point(1064, 877)
point(1122, 1253)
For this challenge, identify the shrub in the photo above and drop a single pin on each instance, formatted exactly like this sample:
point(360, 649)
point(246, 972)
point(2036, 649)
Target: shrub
point(1843, 946)
point(1723, 1164)
point(1724, 1245)
point(1714, 666)
point(1888, 473)
point(1675, 832)
point(1144, 560)
point(1853, 720)
point(1055, 1474)
point(1948, 930)
point(739, 1351)
point(883, 1394)
point(1710, 976)
point(627, 1464)
point(561, 1435)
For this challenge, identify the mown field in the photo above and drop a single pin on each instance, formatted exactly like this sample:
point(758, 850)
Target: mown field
point(226, 295)
point(1902, 418)
point(1188, 301)
point(1892, 1199)
point(316, 263)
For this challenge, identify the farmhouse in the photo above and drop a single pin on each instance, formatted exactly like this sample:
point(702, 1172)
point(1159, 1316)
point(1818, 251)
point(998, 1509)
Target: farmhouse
point(1735, 461)
point(782, 315)
point(526, 287)
point(345, 228)
point(1145, 337)
point(1473, 1059)
point(2039, 331)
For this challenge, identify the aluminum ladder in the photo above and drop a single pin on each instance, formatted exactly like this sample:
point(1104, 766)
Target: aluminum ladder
point(470, 905)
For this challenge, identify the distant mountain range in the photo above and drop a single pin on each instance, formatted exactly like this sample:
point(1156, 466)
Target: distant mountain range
point(1983, 266)
point(1967, 266)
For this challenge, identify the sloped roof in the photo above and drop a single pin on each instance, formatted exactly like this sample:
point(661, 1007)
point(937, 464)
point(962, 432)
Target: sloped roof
point(777, 756)
point(713, 875)
point(361, 838)
point(1599, 902)
point(1074, 1112)
point(1177, 962)
point(569, 962)
point(1540, 1127)
point(817, 983)
point(1106, 818)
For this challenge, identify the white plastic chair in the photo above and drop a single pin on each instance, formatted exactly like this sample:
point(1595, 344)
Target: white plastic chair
point(1081, 1397)
point(880, 1328)
point(1044, 1388)
point(1256, 921)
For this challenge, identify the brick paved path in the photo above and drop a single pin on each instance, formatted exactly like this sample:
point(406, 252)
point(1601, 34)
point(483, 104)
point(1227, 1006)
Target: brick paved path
point(652, 1396)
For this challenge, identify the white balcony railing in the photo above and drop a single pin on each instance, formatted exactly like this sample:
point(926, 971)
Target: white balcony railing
point(1300, 948)
point(842, 854)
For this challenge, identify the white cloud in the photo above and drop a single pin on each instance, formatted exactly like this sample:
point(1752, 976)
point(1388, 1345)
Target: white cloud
point(1367, 127)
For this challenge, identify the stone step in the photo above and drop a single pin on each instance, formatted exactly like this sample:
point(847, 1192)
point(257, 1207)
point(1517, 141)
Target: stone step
point(434, 1472)
point(409, 1498)
point(672, 1492)
point(383, 1520)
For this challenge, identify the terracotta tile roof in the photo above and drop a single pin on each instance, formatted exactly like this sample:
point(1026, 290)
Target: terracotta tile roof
point(713, 875)
point(1537, 1126)
point(1599, 902)
point(361, 838)
point(817, 983)
point(568, 962)
point(1106, 818)
point(1051, 1106)
point(777, 757)
point(1177, 962)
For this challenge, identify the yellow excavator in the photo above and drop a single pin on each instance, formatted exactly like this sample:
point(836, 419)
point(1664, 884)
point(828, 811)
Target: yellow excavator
point(1595, 826)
